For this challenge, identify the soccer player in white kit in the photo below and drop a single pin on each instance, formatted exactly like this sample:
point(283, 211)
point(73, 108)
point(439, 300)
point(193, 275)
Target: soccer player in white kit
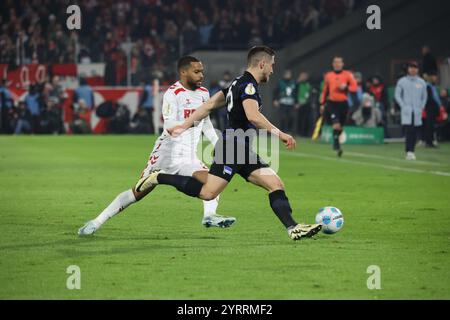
point(174, 155)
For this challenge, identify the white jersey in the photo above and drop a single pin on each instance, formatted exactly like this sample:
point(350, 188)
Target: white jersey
point(179, 154)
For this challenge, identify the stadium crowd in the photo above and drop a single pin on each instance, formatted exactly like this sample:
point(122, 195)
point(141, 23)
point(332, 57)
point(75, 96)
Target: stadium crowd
point(160, 31)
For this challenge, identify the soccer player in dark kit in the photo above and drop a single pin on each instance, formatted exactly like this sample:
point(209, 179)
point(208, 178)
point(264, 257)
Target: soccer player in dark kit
point(243, 103)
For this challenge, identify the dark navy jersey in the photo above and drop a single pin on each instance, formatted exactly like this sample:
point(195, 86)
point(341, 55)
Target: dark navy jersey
point(242, 88)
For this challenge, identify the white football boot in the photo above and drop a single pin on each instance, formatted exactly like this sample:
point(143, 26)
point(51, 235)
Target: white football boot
point(219, 221)
point(410, 156)
point(89, 228)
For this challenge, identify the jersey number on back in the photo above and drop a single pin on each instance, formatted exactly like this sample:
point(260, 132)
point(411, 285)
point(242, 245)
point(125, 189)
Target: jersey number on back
point(230, 96)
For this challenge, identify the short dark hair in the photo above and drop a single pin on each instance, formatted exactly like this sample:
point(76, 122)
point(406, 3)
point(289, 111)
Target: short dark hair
point(256, 52)
point(186, 61)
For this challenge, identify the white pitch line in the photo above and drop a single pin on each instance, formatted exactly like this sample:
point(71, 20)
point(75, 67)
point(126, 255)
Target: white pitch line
point(362, 155)
point(305, 155)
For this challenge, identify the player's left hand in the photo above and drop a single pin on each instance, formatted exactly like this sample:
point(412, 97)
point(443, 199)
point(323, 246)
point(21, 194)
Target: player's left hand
point(343, 87)
point(176, 131)
point(288, 141)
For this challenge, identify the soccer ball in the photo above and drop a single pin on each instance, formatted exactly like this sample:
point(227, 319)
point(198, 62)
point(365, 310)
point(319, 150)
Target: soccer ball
point(331, 219)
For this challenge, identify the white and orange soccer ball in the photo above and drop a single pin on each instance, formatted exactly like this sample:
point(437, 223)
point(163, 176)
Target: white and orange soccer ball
point(331, 219)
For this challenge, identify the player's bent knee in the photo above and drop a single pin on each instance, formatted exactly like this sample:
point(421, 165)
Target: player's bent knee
point(276, 185)
point(208, 194)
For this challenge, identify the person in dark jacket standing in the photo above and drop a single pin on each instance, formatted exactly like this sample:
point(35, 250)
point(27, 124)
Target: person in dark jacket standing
point(378, 89)
point(146, 103)
point(429, 64)
point(285, 100)
point(5, 107)
point(431, 108)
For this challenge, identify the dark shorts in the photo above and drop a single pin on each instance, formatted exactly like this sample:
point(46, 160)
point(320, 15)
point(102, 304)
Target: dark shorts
point(336, 112)
point(239, 158)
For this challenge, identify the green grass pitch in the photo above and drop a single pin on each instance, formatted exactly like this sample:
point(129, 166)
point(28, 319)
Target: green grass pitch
point(397, 217)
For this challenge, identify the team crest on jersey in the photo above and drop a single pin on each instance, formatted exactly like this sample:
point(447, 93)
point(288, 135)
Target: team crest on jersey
point(166, 109)
point(250, 89)
point(227, 170)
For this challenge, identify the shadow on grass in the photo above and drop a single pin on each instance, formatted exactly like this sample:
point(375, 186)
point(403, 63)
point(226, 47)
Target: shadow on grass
point(101, 240)
point(122, 243)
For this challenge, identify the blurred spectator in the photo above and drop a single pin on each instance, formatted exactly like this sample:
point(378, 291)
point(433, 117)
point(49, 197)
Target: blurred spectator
point(286, 101)
point(310, 19)
point(220, 115)
point(429, 64)
point(22, 119)
point(84, 92)
point(6, 105)
point(213, 89)
point(445, 99)
point(141, 123)
point(305, 116)
point(190, 36)
point(431, 111)
point(205, 29)
point(444, 128)
point(367, 115)
point(56, 91)
point(411, 95)
point(379, 92)
point(332, 9)
point(120, 122)
point(51, 119)
point(353, 105)
point(81, 123)
point(32, 101)
point(146, 102)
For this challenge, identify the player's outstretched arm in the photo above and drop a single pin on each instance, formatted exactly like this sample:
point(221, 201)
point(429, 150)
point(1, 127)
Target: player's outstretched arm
point(209, 131)
point(216, 101)
point(260, 121)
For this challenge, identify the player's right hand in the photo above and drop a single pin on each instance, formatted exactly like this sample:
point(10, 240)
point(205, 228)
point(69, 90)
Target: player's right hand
point(288, 140)
point(176, 131)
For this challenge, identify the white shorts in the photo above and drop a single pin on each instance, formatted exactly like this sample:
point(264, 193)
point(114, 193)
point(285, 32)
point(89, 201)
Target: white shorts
point(165, 158)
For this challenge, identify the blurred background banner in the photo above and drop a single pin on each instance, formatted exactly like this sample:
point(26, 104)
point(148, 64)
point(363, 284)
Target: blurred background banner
point(355, 135)
point(115, 96)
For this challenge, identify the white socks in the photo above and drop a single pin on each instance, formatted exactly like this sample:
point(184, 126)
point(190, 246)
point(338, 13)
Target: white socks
point(126, 198)
point(210, 207)
point(122, 201)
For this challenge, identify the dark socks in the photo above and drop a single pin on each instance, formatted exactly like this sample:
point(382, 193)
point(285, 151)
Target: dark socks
point(280, 205)
point(188, 185)
point(336, 134)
